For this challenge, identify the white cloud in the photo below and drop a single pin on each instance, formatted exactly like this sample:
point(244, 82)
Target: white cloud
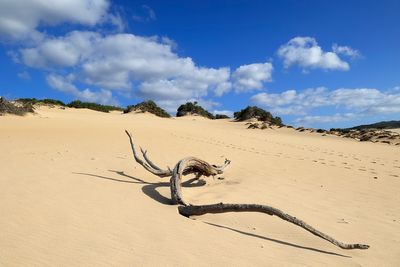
point(311, 120)
point(145, 14)
point(116, 20)
point(24, 75)
point(65, 51)
point(20, 19)
point(169, 41)
point(252, 76)
point(124, 62)
point(293, 102)
point(306, 53)
point(360, 101)
point(64, 84)
point(346, 50)
point(228, 113)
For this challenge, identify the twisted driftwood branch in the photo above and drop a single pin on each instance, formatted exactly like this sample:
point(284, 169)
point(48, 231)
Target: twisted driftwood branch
point(222, 208)
point(148, 165)
point(200, 167)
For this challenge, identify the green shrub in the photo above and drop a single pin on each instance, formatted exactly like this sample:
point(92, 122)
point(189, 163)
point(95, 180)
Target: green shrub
point(257, 113)
point(221, 116)
point(34, 101)
point(20, 108)
point(93, 106)
point(192, 108)
point(52, 102)
point(148, 106)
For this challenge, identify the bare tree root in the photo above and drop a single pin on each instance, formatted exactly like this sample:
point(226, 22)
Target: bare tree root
point(200, 167)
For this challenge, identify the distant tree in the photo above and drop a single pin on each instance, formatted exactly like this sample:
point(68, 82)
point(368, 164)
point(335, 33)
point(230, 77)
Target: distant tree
point(221, 116)
point(34, 101)
point(192, 108)
point(93, 106)
point(251, 112)
point(148, 106)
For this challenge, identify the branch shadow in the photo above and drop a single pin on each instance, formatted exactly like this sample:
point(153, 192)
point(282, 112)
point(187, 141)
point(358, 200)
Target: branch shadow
point(148, 188)
point(277, 241)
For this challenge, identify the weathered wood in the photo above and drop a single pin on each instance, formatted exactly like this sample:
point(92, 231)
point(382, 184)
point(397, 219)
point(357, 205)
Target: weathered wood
point(200, 167)
point(149, 166)
point(186, 166)
point(190, 210)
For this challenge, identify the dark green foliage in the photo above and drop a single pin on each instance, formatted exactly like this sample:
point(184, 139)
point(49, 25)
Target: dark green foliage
point(192, 108)
point(221, 116)
point(148, 106)
point(12, 108)
point(27, 100)
point(52, 102)
point(34, 101)
point(378, 125)
point(258, 113)
point(341, 130)
point(93, 106)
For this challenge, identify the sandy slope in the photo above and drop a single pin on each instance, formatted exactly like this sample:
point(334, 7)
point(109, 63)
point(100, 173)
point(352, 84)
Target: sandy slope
point(71, 195)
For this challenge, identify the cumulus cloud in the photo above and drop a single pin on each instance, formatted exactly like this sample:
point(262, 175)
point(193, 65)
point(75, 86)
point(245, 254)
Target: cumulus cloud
point(346, 50)
point(64, 84)
point(24, 75)
point(252, 76)
point(306, 53)
point(20, 19)
point(293, 102)
point(228, 113)
point(126, 62)
point(146, 13)
point(310, 120)
point(359, 101)
point(65, 51)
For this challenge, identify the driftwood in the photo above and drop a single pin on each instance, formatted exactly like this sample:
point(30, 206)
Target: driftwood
point(200, 167)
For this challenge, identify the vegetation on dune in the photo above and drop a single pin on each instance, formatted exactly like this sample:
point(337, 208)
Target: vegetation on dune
point(93, 106)
point(73, 104)
point(221, 116)
point(47, 101)
point(193, 109)
point(378, 125)
point(257, 113)
point(7, 107)
point(148, 106)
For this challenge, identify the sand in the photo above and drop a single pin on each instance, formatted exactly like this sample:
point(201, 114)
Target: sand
point(71, 194)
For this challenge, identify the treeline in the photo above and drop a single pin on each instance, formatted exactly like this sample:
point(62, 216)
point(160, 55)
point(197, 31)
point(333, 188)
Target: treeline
point(189, 108)
point(378, 125)
point(73, 104)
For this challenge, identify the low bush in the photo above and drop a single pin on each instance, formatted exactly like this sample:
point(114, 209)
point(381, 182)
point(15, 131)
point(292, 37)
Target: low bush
point(148, 106)
point(193, 109)
point(257, 113)
point(93, 106)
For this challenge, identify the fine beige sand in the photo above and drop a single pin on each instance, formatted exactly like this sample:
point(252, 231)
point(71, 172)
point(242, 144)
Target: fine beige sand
point(72, 195)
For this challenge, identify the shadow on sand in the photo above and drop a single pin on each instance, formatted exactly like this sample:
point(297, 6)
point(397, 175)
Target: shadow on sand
point(150, 189)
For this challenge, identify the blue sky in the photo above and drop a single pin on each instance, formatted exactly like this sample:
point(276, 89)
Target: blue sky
point(314, 63)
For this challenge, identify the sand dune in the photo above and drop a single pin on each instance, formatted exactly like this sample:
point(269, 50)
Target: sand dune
point(71, 194)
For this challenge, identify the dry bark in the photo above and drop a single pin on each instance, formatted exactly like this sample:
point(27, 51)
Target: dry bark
point(200, 167)
point(190, 210)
